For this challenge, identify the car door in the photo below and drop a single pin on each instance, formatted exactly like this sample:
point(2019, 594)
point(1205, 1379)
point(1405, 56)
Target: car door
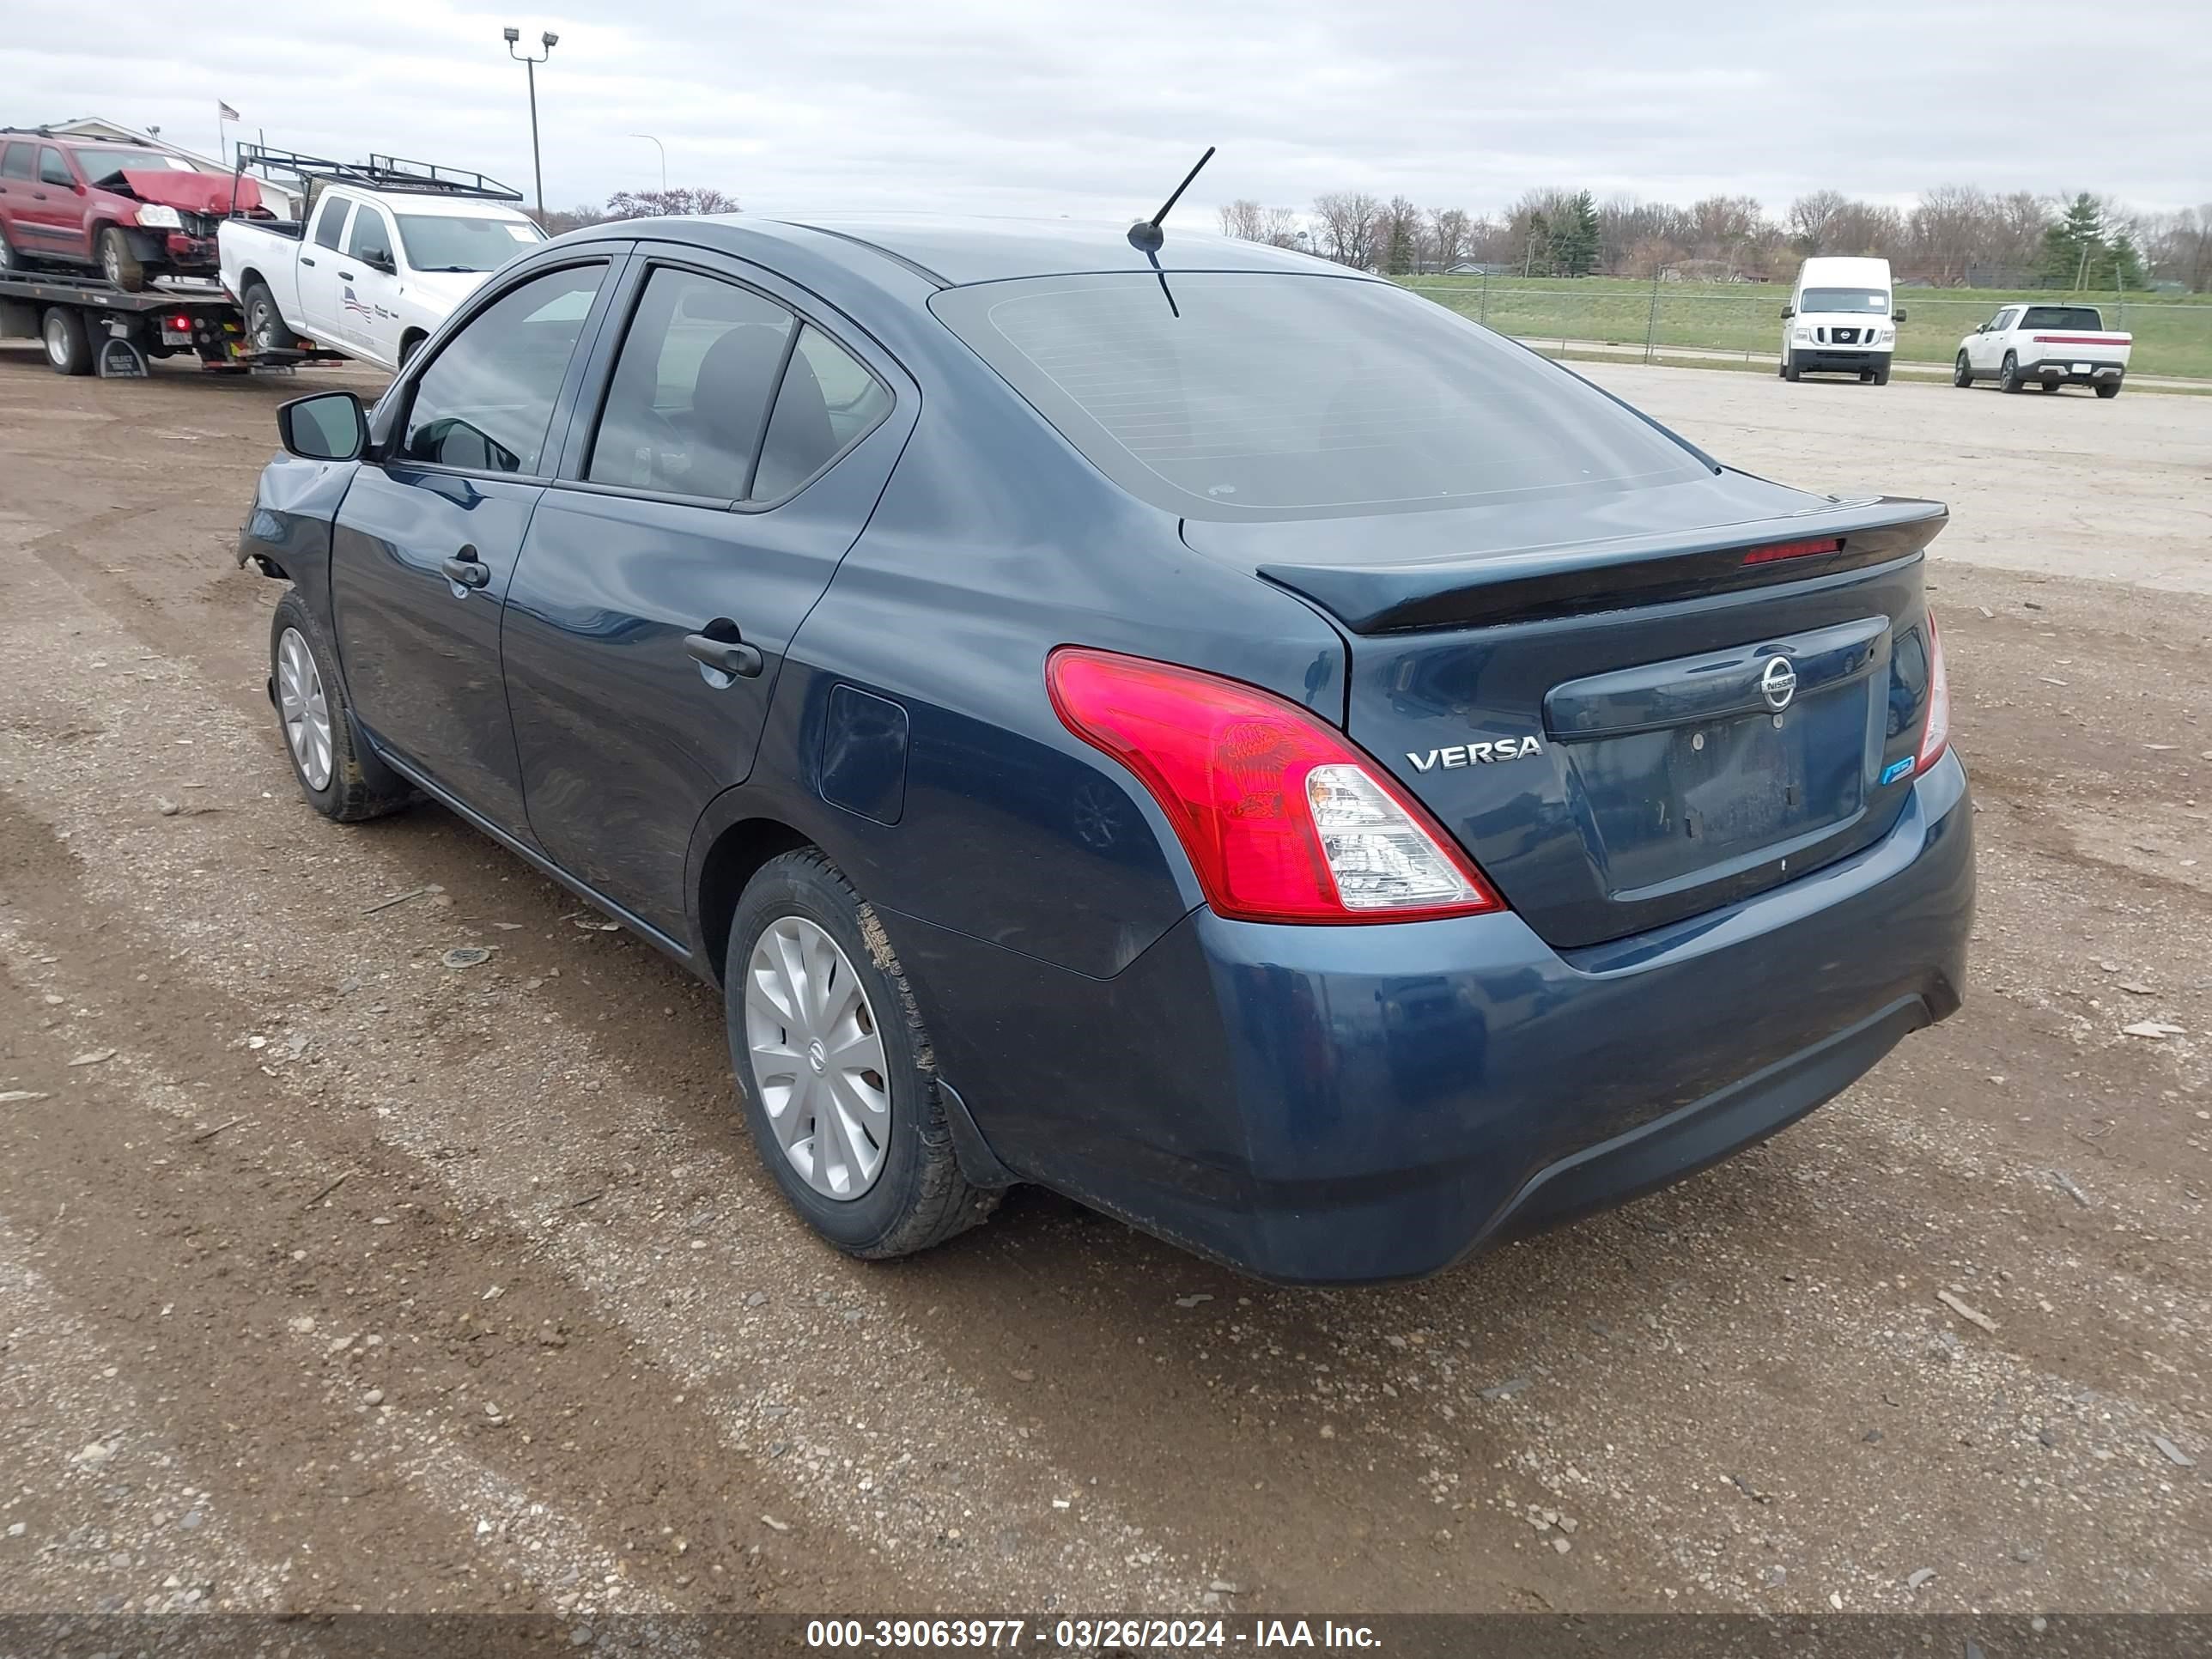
point(368, 283)
point(425, 542)
point(1986, 350)
point(52, 216)
point(322, 314)
point(743, 437)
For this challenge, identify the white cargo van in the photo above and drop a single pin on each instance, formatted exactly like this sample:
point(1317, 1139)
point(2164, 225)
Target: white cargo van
point(1840, 321)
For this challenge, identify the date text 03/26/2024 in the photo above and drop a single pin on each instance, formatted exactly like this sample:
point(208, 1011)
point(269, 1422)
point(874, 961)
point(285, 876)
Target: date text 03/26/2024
point(1082, 1635)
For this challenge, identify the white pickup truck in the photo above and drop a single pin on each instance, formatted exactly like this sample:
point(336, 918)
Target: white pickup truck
point(2045, 346)
point(387, 251)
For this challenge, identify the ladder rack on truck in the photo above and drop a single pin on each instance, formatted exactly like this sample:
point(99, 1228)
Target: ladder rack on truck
point(391, 174)
point(90, 326)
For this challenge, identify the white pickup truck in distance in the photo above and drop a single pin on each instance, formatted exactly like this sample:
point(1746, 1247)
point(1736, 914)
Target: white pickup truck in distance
point(2045, 346)
point(387, 249)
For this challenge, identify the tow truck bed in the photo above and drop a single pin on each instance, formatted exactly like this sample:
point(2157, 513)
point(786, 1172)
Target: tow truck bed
point(197, 319)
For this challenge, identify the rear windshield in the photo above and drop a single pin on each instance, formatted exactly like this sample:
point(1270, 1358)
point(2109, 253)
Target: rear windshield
point(2063, 317)
point(1846, 299)
point(435, 242)
point(1289, 396)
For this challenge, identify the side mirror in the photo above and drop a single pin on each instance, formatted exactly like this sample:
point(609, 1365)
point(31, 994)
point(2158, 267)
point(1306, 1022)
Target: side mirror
point(383, 262)
point(330, 426)
point(1897, 316)
point(1788, 311)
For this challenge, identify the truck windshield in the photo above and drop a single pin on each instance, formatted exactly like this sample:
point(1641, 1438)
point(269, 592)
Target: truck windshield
point(1844, 299)
point(435, 242)
point(1297, 397)
point(2084, 317)
point(101, 165)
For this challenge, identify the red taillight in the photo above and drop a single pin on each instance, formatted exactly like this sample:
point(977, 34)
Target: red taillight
point(1282, 819)
point(1792, 551)
point(181, 325)
point(1937, 736)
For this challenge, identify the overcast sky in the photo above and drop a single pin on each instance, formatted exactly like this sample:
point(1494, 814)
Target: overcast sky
point(1095, 110)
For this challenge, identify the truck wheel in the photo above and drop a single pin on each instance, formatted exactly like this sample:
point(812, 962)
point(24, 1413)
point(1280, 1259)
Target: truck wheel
point(118, 264)
point(2008, 377)
point(1881, 376)
point(2108, 389)
point(409, 347)
point(67, 347)
point(1789, 370)
point(1962, 372)
point(265, 327)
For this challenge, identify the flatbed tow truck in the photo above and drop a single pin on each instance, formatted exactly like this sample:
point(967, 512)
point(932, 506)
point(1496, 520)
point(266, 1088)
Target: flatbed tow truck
point(90, 327)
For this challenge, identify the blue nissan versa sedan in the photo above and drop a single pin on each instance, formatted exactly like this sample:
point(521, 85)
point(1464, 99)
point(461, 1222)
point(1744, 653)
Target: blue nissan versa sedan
point(1212, 733)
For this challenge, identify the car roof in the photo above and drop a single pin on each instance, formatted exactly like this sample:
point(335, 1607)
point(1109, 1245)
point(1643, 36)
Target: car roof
point(952, 251)
point(428, 204)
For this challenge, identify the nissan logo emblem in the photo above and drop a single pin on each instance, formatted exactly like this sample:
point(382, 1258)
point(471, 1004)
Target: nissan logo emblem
point(1778, 682)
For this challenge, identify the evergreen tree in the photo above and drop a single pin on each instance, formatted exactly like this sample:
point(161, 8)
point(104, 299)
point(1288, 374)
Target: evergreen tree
point(1575, 238)
point(2074, 244)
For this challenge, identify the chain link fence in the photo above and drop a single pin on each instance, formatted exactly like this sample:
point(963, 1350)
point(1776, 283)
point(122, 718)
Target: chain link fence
point(1743, 320)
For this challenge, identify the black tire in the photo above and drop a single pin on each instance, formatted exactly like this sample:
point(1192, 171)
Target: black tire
point(919, 1198)
point(265, 327)
point(1782, 367)
point(68, 349)
point(118, 262)
point(409, 347)
point(2110, 389)
point(1789, 369)
point(1962, 372)
point(1881, 376)
point(2048, 386)
point(350, 794)
point(2009, 376)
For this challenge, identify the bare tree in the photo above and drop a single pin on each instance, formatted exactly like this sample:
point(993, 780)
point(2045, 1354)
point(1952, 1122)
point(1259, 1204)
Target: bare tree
point(1349, 220)
point(1813, 219)
point(1448, 229)
point(1279, 227)
point(1948, 229)
point(660, 204)
point(1244, 218)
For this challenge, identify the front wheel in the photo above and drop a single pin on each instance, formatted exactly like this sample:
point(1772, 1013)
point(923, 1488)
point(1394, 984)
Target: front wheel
point(1881, 376)
point(2110, 389)
point(2009, 376)
point(312, 717)
point(840, 1091)
point(118, 264)
point(1789, 369)
point(1962, 372)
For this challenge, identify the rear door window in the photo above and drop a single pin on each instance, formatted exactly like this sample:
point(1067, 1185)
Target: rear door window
point(828, 402)
point(1229, 395)
point(485, 402)
point(16, 162)
point(690, 398)
point(329, 222)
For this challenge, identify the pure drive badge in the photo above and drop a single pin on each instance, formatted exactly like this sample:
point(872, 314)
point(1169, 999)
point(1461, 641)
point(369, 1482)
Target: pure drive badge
point(1474, 754)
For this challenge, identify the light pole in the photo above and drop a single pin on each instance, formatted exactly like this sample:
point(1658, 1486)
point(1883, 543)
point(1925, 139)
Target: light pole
point(548, 39)
point(663, 149)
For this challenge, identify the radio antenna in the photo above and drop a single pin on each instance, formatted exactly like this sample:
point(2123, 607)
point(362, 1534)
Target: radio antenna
point(1146, 235)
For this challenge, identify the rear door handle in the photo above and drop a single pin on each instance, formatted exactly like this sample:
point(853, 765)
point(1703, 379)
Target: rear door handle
point(465, 569)
point(306, 261)
point(345, 277)
point(732, 657)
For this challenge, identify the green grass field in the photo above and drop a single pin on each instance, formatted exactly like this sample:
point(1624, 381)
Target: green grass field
point(2173, 332)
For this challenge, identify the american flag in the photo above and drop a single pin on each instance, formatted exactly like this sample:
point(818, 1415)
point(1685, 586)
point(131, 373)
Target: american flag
point(224, 112)
point(352, 303)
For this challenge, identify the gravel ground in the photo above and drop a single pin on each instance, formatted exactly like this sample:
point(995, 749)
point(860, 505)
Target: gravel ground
point(334, 1277)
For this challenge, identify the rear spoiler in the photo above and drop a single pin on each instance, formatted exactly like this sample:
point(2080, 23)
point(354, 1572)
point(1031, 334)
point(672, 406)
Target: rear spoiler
point(1537, 583)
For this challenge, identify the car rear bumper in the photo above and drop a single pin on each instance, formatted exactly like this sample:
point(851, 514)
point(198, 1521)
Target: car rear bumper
point(1346, 1104)
point(2061, 371)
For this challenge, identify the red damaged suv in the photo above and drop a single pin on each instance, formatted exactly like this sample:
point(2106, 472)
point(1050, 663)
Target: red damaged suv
point(133, 211)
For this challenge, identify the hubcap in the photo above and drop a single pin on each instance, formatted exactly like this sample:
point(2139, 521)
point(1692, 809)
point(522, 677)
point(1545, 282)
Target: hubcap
point(56, 341)
point(111, 260)
point(817, 1058)
point(305, 711)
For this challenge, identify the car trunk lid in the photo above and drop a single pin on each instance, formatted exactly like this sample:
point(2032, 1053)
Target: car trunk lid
point(1627, 728)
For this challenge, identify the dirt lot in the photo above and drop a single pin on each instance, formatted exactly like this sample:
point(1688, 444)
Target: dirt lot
point(331, 1277)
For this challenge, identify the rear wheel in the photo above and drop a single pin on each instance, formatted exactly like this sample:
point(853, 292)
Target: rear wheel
point(265, 327)
point(840, 1089)
point(68, 348)
point(118, 262)
point(2009, 379)
point(1962, 372)
point(2110, 389)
